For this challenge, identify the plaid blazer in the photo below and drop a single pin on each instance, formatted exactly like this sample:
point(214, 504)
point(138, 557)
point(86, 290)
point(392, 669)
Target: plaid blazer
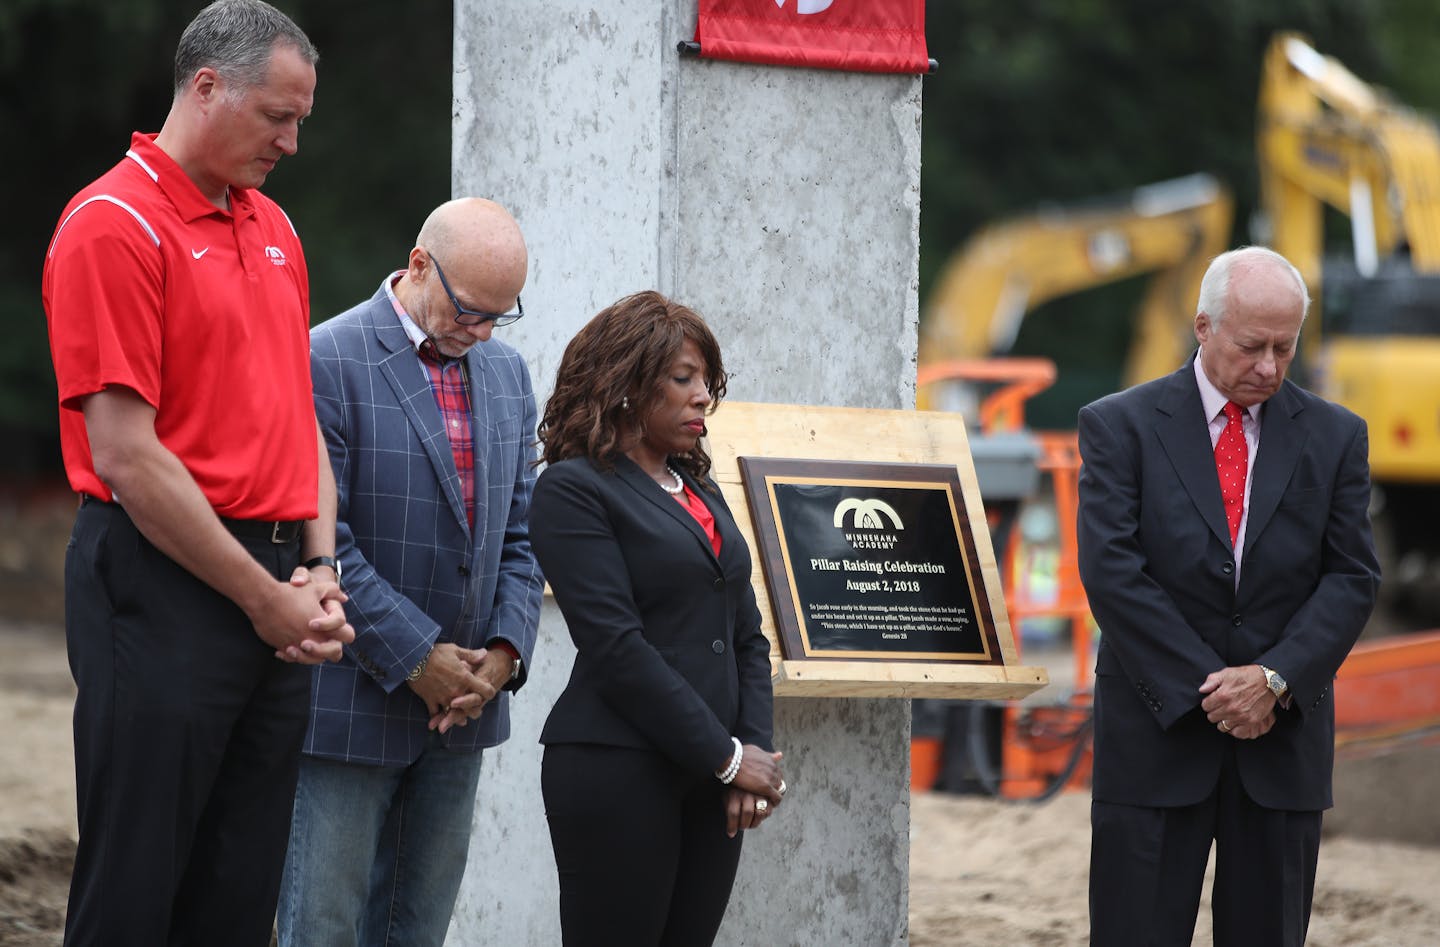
point(413, 570)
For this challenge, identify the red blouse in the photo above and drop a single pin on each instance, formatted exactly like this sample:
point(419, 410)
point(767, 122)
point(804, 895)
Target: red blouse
point(702, 516)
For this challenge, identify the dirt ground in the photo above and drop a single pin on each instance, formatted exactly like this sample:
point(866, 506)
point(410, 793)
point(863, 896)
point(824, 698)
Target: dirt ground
point(37, 785)
point(982, 873)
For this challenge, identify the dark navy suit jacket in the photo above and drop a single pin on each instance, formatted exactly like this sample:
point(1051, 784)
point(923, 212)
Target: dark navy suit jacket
point(1157, 563)
point(414, 571)
point(670, 652)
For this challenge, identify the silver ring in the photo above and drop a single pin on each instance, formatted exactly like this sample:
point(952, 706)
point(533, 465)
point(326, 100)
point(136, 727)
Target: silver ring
point(761, 805)
point(1225, 727)
point(782, 787)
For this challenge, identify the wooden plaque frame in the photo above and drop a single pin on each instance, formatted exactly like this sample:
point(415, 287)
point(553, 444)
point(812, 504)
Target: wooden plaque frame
point(861, 435)
point(900, 583)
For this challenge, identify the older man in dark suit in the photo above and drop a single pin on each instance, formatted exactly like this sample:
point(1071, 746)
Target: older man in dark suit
point(1226, 550)
point(429, 424)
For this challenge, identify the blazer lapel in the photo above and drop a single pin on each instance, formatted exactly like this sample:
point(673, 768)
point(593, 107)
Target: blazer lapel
point(408, 380)
point(1181, 428)
point(1281, 438)
point(640, 481)
point(483, 438)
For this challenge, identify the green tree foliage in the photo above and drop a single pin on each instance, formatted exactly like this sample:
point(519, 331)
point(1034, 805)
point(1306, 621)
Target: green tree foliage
point(77, 76)
point(1038, 102)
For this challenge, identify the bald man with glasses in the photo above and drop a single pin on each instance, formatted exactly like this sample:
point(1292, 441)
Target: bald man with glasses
point(429, 423)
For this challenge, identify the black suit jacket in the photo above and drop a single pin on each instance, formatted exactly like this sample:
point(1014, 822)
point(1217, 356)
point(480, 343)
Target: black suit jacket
point(1156, 561)
point(670, 652)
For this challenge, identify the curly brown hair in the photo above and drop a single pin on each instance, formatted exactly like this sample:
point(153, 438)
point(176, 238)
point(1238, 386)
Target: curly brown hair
point(610, 379)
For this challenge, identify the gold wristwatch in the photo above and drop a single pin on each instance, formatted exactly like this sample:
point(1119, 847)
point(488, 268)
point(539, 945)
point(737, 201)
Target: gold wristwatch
point(1275, 682)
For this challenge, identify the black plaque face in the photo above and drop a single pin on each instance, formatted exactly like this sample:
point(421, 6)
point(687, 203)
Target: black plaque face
point(870, 561)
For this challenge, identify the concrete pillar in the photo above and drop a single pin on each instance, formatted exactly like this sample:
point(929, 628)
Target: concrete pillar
point(783, 205)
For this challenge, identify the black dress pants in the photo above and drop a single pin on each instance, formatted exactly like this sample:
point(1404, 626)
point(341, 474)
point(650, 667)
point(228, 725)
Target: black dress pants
point(640, 846)
point(1147, 870)
point(187, 741)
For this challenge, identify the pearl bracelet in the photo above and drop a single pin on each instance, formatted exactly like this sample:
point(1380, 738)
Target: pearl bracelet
point(728, 774)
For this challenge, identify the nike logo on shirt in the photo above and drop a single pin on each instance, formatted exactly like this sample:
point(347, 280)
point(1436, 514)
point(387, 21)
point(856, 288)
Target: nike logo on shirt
point(197, 254)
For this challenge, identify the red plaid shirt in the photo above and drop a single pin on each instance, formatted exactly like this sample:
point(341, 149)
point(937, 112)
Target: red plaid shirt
point(452, 395)
point(451, 388)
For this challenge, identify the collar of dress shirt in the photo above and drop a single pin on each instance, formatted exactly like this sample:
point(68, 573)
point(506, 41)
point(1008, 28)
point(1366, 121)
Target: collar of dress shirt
point(413, 332)
point(1213, 401)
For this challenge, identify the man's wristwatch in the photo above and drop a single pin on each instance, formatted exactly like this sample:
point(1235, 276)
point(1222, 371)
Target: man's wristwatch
point(318, 561)
point(1275, 682)
point(418, 670)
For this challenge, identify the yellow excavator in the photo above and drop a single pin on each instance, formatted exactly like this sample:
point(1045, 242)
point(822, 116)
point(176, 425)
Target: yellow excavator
point(1326, 138)
point(1171, 229)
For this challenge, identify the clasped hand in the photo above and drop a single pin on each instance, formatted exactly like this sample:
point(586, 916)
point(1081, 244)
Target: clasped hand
point(759, 778)
point(1238, 702)
point(304, 620)
point(459, 682)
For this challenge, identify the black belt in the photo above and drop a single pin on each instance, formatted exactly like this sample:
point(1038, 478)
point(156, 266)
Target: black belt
point(279, 532)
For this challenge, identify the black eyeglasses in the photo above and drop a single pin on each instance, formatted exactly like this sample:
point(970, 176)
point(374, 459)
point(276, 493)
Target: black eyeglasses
point(474, 317)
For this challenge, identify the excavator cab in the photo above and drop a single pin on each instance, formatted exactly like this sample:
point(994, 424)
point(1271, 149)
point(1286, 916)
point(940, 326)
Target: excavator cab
point(1325, 138)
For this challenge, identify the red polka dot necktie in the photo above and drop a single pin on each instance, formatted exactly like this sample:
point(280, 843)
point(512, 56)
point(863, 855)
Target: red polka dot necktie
point(1232, 459)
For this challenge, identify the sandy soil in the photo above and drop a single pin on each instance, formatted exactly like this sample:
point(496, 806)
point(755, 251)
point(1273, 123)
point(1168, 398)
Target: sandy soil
point(985, 873)
point(982, 873)
point(37, 785)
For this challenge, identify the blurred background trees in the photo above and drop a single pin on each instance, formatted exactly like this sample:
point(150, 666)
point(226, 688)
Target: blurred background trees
point(78, 76)
point(1038, 102)
point(1034, 101)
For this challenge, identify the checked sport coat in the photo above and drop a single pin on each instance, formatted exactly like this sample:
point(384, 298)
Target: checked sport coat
point(414, 571)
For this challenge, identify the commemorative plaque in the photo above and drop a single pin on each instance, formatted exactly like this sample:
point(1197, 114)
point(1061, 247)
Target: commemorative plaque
point(870, 561)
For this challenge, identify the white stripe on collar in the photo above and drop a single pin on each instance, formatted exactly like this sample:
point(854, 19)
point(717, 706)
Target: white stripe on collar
point(141, 162)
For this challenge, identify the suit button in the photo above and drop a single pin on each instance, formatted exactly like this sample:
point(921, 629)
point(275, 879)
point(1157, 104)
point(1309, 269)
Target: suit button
point(719, 584)
point(1236, 621)
point(1228, 568)
point(717, 646)
point(464, 570)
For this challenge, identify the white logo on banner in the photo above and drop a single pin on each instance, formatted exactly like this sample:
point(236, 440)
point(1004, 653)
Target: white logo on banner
point(868, 514)
point(803, 7)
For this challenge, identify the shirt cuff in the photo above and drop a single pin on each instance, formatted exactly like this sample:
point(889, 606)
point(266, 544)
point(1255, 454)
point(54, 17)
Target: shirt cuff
point(505, 646)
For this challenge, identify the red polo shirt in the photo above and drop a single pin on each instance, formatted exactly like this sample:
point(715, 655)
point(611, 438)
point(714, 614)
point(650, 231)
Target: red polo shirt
point(205, 314)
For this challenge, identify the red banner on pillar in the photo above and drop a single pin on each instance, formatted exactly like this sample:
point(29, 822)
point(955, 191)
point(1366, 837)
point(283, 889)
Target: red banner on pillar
point(859, 35)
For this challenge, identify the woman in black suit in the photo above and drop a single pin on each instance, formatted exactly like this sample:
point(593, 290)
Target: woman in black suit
point(658, 752)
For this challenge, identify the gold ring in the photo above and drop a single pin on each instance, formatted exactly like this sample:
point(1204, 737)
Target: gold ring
point(1224, 727)
point(761, 805)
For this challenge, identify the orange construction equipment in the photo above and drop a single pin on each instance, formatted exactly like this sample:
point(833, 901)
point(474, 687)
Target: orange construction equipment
point(1045, 743)
point(1043, 747)
point(1388, 692)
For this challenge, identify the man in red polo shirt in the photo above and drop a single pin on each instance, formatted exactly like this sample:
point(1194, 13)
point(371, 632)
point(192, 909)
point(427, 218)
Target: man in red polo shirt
point(177, 302)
